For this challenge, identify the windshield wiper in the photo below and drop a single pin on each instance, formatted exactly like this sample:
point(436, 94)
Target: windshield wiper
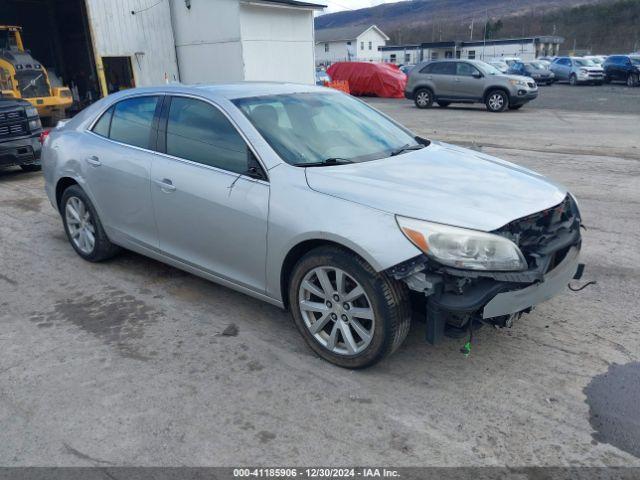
point(325, 163)
point(406, 148)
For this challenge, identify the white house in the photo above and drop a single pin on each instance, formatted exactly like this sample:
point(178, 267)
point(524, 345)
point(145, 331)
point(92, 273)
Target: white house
point(99, 47)
point(350, 44)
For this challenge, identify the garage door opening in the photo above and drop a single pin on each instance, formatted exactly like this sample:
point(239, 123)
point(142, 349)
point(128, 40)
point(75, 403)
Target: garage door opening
point(56, 32)
point(118, 73)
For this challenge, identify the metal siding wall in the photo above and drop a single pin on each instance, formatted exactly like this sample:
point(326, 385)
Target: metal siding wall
point(208, 40)
point(116, 32)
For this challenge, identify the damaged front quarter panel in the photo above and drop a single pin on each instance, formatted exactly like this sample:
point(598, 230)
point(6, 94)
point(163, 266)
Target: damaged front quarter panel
point(550, 240)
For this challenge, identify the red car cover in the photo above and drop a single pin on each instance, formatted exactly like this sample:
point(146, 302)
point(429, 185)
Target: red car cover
point(370, 79)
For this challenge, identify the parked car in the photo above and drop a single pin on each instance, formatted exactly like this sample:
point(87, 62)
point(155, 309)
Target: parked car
point(309, 199)
point(20, 131)
point(508, 60)
point(367, 79)
point(536, 70)
point(597, 59)
point(322, 77)
point(468, 81)
point(577, 70)
point(406, 69)
point(501, 66)
point(625, 68)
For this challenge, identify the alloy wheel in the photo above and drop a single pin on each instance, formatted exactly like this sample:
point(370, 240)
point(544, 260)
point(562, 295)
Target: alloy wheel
point(423, 99)
point(496, 102)
point(336, 310)
point(80, 225)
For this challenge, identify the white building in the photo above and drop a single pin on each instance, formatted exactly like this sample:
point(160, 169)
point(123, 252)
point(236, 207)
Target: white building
point(349, 44)
point(527, 48)
point(244, 40)
point(100, 46)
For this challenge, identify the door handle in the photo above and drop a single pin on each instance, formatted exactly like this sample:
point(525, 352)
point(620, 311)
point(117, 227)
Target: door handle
point(94, 161)
point(166, 185)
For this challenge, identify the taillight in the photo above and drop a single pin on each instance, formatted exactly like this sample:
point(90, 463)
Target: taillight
point(44, 135)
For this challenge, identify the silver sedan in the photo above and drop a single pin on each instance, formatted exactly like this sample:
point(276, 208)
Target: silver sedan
point(313, 201)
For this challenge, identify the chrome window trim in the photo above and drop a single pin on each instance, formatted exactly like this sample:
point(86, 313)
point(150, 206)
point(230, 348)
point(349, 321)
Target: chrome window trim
point(89, 129)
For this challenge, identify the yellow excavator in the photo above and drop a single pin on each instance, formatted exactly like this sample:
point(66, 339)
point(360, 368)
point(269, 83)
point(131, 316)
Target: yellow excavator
point(21, 76)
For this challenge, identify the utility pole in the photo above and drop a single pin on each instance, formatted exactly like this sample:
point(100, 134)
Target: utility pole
point(471, 28)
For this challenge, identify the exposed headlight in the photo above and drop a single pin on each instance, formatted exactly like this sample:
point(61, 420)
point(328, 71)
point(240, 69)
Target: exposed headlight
point(31, 111)
point(35, 124)
point(518, 83)
point(462, 248)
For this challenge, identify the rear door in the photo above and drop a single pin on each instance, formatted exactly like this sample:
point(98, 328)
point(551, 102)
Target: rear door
point(561, 68)
point(210, 213)
point(442, 76)
point(466, 85)
point(116, 162)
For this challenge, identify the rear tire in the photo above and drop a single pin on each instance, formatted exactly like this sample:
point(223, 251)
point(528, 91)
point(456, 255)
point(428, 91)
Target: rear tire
point(31, 168)
point(497, 101)
point(83, 227)
point(444, 104)
point(350, 340)
point(423, 98)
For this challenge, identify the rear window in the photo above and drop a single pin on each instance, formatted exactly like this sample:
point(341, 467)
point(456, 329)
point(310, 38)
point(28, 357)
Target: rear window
point(443, 68)
point(132, 121)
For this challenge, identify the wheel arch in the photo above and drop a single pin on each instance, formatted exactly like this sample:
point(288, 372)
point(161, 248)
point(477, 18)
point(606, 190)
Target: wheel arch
point(299, 250)
point(62, 184)
point(423, 87)
point(493, 88)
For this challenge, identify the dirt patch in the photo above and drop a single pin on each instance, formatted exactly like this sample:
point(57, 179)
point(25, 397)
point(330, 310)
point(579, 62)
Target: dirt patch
point(26, 204)
point(115, 317)
point(614, 409)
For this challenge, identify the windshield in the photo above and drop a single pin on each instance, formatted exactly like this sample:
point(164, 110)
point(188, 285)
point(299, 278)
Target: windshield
point(536, 65)
point(489, 69)
point(315, 128)
point(584, 62)
point(635, 60)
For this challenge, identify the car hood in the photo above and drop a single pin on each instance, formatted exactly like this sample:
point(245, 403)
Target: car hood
point(444, 184)
point(592, 69)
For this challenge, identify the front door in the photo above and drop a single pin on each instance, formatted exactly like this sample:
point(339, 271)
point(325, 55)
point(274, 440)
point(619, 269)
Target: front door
point(116, 162)
point(210, 214)
point(467, 85)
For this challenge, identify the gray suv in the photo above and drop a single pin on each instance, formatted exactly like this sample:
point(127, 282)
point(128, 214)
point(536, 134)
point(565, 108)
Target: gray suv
point(468, 81)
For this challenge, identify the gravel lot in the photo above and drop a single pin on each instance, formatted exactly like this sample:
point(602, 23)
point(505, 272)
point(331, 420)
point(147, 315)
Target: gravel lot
point(126, 363)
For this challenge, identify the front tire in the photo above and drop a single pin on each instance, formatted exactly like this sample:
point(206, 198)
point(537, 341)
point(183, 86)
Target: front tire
point(83, 227)
point(632, 80)
point(444, 104)
point(573, 80)
point(348, 314)
point(497, 101)
point(423, 98)
point(516, 107)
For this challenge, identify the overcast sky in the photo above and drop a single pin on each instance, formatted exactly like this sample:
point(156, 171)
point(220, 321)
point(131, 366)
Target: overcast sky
point(340, 5)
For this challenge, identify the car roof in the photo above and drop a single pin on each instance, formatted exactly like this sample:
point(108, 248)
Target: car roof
point(229, 91)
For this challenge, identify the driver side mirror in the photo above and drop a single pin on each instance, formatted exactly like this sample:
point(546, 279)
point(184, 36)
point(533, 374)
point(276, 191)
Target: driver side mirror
point(476, 74)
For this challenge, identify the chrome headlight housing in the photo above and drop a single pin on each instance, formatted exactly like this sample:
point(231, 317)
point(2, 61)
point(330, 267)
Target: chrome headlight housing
point(463, 248)
point(518, 83)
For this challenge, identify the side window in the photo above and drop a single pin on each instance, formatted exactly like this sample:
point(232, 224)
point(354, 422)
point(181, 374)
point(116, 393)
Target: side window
point(428, 68)
point(103, 125)
point(132, 121)
point(199, 132)
point(444, 68)
point(465, 69)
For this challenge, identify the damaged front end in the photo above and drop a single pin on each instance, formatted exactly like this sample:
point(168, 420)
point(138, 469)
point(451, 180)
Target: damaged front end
point(455, 298)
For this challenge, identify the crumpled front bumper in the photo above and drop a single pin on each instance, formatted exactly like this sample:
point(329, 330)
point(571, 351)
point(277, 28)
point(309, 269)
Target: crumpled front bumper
point(554, 282)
